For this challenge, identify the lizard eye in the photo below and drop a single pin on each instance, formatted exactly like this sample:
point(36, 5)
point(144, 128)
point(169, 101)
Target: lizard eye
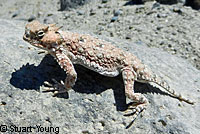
point(40, 34)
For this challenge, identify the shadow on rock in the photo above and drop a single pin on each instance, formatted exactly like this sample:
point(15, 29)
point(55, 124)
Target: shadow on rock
point(138, 2)
point(31, 77)
point(134, 2)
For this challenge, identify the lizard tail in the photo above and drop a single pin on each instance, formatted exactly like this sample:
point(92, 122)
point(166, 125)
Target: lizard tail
point(164, 85)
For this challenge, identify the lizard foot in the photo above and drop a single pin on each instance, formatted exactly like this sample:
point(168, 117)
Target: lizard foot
point(138, 105)
point(134, 110)
point(57, 88)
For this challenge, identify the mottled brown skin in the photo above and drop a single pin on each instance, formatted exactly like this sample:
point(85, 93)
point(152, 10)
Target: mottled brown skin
point(71, 48)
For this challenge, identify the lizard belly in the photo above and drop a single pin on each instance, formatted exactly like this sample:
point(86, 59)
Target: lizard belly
point(103, 71)
point(95, 67)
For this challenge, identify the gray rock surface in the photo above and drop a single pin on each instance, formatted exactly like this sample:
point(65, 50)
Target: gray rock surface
point(97, 103)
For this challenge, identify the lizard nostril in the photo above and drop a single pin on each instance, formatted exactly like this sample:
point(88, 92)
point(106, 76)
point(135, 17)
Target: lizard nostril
point(27, 35)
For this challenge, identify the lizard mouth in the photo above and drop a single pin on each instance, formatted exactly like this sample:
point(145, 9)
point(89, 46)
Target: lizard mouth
point(28, 36)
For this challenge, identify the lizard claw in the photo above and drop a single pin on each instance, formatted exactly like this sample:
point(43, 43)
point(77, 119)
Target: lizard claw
point(134, 111)
point(57, 88)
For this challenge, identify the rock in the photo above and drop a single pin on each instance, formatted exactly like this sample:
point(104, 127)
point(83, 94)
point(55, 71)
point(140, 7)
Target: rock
point(97, 103)
point(195, 4)
point(67, 4)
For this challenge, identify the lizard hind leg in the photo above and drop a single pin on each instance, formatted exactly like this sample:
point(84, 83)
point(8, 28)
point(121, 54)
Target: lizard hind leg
point(140, 101)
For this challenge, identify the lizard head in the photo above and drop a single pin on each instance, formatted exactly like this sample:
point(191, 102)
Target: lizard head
point(41, 35)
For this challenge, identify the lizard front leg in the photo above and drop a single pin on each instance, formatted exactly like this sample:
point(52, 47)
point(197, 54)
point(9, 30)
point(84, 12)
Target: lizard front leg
point(68, 67)
point(129, 77)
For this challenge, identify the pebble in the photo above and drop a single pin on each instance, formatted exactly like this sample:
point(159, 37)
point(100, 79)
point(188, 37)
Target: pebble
point(100, 6)
point(106, 12)
point(31, 18)
point(162, 15)
point(118, 12)
point(48, 20)
point(110, 25)
point(159, 27)
point(163, 122)
point(104, 1)
point(40, 13)
point(169, 45)
point(92, 12)
point(15, 14)
point(80, 12)
point(66, 16)
point(177, 10)
point(128, 36)
point(163, 43)
point(139, 42)
point(155, 5)
point(113, 19)
point(111, 34)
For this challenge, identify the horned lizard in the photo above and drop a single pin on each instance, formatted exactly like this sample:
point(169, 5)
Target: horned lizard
point(98, 55)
